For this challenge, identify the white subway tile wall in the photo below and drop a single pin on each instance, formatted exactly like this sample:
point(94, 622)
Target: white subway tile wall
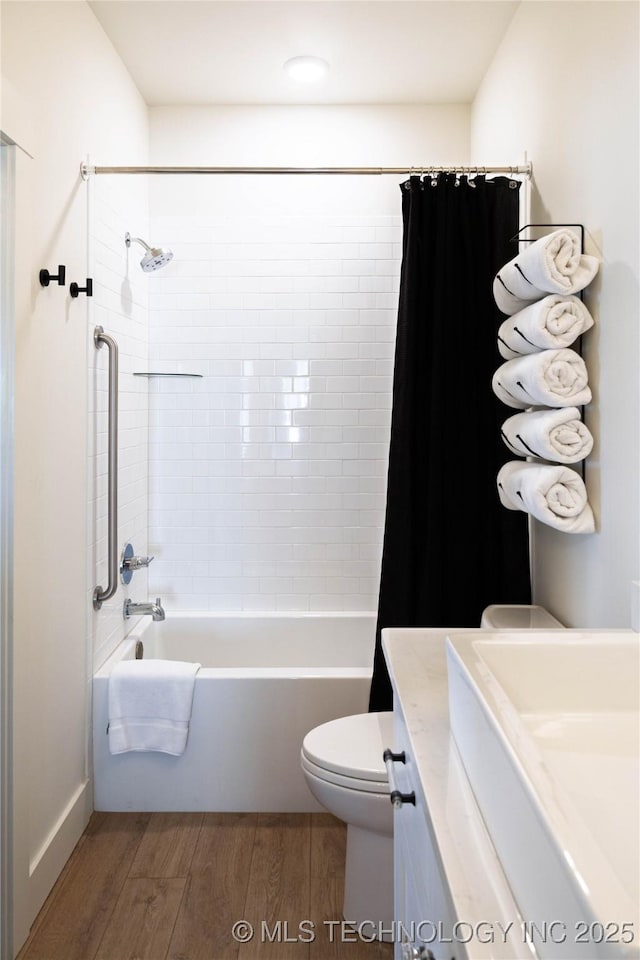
point(120, 306)
point(267, 476)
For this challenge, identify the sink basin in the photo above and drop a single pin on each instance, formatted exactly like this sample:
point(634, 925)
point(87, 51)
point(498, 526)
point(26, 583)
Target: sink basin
point(548, 729)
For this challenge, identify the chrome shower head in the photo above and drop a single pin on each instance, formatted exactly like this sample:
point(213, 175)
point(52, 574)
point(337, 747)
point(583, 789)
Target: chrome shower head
point(154, 258)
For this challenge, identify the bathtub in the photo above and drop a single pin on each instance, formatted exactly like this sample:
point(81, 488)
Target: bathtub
point(266, 680)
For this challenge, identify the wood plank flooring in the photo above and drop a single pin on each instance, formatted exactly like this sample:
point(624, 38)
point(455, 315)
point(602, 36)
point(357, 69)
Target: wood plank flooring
point(170, 886)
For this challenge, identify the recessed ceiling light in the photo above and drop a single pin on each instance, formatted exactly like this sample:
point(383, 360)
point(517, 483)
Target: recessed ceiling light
point(306, 69)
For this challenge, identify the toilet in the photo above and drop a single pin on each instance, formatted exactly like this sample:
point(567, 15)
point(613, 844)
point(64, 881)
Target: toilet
point(342, 764)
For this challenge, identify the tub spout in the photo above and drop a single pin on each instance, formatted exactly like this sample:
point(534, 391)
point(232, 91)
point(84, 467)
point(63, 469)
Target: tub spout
point(154, 610)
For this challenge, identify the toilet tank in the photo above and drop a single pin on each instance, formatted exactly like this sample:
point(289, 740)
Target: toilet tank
point(522, 616)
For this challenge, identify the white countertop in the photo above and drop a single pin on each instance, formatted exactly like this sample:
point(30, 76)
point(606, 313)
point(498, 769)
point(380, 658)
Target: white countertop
point(481, 896)
point(548, 729)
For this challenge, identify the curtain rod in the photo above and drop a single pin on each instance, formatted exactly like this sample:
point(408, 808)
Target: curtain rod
point(524, 170)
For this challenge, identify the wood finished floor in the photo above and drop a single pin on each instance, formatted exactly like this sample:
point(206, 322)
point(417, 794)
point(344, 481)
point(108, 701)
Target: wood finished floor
point(170, 886)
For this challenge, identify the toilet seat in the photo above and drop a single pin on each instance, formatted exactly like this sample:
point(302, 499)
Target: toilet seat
point(350, 783)
point(350, 749)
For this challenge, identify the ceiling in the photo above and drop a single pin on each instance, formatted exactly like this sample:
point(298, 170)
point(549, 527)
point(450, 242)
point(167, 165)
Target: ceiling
point(232, 51)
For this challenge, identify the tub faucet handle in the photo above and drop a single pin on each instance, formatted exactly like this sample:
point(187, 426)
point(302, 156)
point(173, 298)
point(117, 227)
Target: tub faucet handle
point(129, 563)
point(135, 563)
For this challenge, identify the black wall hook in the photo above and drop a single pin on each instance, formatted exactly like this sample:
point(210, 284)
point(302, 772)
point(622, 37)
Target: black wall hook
point(75, 290)
point(46, 277)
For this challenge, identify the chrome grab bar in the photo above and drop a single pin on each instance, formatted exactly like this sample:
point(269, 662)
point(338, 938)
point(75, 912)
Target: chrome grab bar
point(397, 798)
point(100, 595)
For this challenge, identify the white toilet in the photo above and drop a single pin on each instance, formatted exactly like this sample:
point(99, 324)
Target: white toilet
point(342, 764)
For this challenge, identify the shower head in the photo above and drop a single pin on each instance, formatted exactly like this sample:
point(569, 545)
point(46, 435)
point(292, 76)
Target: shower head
point(154, 258)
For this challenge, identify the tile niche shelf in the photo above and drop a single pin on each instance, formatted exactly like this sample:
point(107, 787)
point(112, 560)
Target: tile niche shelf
point(160, 373)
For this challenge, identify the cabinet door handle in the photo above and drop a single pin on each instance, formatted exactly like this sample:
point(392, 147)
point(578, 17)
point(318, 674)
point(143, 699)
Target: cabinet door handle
point(397, 798)
point(411, 952)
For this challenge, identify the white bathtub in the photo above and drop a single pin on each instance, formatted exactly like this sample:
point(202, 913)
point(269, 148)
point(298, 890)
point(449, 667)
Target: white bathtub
point(266, 680)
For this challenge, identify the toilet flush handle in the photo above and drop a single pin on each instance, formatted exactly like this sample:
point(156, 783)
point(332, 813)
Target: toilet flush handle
point(397, 798)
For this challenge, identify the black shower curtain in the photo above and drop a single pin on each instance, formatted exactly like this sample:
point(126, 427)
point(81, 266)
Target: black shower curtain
point(450, 549)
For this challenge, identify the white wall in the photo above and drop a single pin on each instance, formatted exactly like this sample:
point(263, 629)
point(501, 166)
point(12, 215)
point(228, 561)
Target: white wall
point(72, 96)
point(268, 475)
point(563, 86)
point(394, 135)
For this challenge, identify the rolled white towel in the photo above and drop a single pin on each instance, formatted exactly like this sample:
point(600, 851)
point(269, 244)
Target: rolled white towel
point(553, 264)
point(550, 378)
point(549, 434)
point(555, 495)
point(549, 324)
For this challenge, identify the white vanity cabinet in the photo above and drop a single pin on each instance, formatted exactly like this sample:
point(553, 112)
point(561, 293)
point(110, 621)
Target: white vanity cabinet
point(424, 912)
point(452, 899)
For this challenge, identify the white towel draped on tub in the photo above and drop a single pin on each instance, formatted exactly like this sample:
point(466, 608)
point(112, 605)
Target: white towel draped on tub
point(555, 495)
point(551, 378)
point(549, 434)
point(150, 705)
point(551, 323)
point(553, 264)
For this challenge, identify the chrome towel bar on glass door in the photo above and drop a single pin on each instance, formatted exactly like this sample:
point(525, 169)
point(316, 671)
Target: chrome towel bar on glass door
point(100, 595)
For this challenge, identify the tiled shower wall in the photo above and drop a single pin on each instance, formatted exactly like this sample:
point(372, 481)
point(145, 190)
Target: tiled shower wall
point(120, 306)
point(268, 473)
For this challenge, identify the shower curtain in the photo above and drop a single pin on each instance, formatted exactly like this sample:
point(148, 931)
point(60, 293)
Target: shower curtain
point(449, 549)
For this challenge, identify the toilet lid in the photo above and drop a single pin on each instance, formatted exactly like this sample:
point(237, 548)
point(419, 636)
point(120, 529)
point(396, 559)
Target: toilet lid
point(352, 746)
point(349, 783)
